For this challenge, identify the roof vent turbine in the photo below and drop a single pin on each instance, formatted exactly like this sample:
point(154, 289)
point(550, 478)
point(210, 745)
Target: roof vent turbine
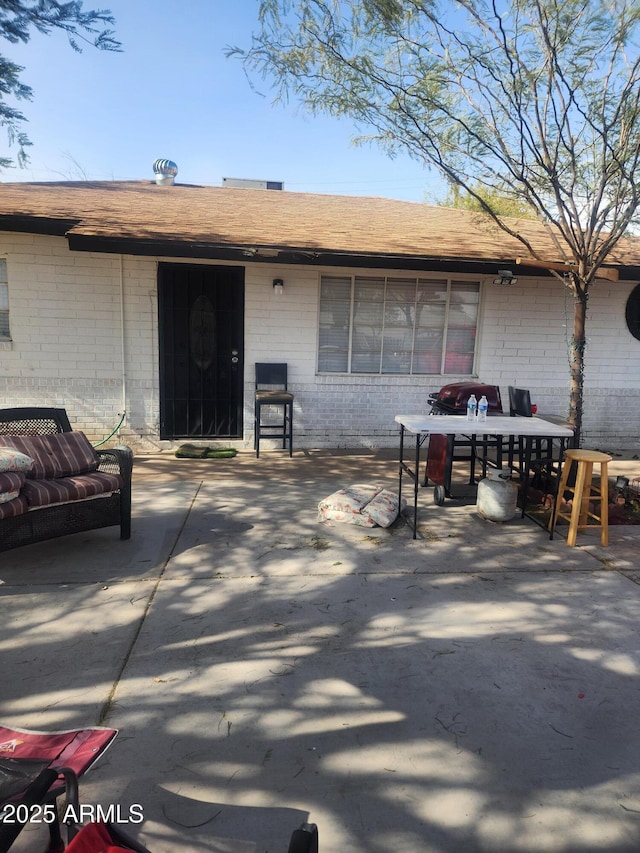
point(165, 172)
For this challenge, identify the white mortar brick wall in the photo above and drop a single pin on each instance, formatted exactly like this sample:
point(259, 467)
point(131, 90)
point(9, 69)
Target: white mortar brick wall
point(64, 317)
point(67, 350)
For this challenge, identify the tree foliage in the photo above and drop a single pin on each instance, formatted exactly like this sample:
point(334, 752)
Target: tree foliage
point(534, 100)
point(18, 19)
point(502, 203)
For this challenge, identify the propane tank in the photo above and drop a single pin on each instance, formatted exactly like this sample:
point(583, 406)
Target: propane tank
point(497, 497)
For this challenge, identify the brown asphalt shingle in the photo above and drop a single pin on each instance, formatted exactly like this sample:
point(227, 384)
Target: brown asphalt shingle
point(224, 216)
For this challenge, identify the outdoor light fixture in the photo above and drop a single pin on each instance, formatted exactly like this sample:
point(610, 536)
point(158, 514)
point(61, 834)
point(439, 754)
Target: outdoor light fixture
point(278, 286)
point(505, 278)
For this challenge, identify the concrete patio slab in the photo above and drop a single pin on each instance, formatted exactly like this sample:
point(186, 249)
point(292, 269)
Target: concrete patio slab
point(61, 649)
point(232, 534)
point(470, 690)
point(160, 511)
point(450, 713)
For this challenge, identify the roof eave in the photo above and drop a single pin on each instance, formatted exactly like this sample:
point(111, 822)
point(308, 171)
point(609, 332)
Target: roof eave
point(165, 247)
point(287, 255)
point(29, 224)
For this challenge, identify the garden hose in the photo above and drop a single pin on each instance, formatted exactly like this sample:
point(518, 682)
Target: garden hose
point(112, 433)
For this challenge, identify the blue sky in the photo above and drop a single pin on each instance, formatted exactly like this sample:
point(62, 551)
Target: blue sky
point(172, 93)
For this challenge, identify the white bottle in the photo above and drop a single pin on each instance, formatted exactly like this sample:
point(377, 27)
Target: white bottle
point(472, 405)
point(483, 405)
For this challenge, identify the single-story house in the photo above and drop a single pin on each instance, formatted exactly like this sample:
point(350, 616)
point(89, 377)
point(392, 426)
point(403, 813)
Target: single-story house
point(155, 301)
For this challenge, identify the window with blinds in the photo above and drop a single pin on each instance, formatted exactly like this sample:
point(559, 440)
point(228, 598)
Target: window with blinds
point(379, 324)
point(4, 301)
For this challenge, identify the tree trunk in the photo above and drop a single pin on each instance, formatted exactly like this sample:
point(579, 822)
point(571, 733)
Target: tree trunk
point(576, 366)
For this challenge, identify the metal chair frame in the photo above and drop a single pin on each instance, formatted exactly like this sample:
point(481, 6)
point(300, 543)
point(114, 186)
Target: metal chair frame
point(271, 389)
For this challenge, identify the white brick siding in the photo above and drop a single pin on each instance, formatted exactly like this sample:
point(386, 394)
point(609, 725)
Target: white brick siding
point(68, 343)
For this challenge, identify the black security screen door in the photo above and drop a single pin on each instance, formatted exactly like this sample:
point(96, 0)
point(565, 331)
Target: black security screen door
point(201, 323)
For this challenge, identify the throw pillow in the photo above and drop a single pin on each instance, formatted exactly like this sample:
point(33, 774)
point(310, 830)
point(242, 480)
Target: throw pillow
point(383, 509)
point(362, 504)
point(12, 460)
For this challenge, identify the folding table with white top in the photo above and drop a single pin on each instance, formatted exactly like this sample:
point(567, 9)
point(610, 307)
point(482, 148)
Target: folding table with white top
point(493, 431)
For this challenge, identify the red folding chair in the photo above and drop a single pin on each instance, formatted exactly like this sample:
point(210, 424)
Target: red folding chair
point(101, 837)
point(304, 839)
point(36, 768)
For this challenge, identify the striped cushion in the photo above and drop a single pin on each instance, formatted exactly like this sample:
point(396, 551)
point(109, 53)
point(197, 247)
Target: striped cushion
point(59, 455)
point(63, 489)
point(73, 452)
point(10, 485)
point(17, 506)
point(44, 465)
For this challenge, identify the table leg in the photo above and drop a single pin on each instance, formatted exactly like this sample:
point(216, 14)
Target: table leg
point(400, 465)
point(448, 465)
point(403, 468)
point(526, 465)
point(415, 487)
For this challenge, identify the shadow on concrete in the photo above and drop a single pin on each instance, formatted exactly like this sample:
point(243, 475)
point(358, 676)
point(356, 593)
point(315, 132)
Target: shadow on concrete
point(471, 690)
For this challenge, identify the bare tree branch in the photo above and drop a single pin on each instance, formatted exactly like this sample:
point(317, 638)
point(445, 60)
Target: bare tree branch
point(538, 99)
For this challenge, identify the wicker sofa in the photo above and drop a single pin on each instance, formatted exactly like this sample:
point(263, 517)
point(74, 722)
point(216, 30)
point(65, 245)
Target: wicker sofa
point(53, 482)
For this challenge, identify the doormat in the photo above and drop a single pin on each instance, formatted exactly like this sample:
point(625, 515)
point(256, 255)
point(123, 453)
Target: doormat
point(195, 451)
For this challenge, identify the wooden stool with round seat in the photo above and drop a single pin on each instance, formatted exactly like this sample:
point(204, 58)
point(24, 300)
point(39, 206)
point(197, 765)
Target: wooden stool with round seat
point(584, 492)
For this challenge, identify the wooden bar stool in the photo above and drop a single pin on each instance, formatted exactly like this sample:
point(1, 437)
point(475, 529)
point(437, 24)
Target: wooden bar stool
point(583, 492)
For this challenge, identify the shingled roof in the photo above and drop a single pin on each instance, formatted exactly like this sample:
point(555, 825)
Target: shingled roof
point(140, 217)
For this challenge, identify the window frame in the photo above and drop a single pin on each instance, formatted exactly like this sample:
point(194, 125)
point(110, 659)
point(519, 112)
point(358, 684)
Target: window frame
point(448, 280)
